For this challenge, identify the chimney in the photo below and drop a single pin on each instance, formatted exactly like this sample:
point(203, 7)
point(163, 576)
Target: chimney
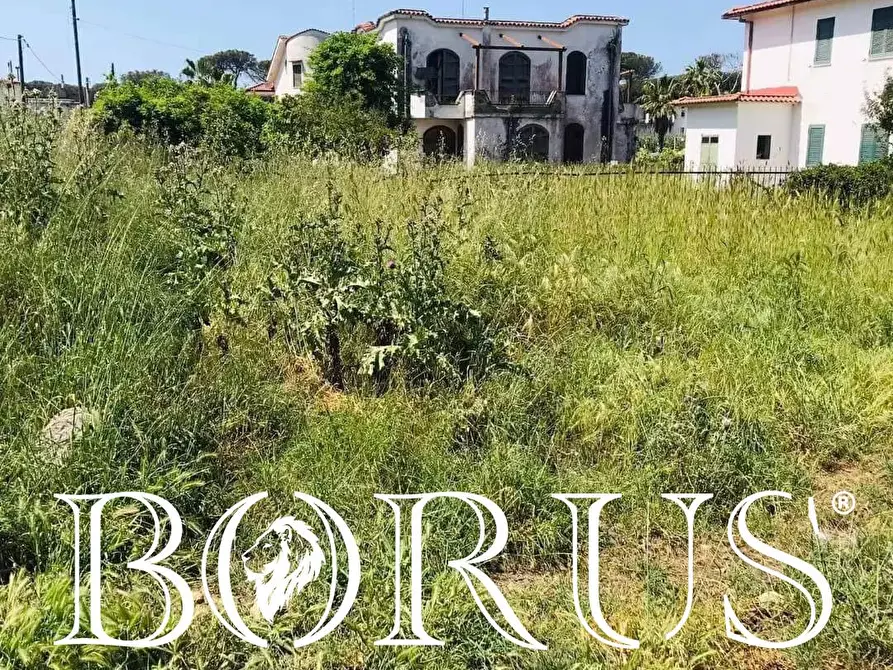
point(486, 13)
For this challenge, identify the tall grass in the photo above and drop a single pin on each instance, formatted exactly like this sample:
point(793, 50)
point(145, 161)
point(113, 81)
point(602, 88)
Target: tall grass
point(655, 335)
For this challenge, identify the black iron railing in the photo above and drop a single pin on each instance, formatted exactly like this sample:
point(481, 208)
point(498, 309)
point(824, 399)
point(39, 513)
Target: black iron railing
point(433, 99)
point(524, 98)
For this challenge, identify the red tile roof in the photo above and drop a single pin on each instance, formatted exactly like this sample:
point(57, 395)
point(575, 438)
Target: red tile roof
point(785, 94)
point(263, 87)
point(744, 10)
point(567, 23)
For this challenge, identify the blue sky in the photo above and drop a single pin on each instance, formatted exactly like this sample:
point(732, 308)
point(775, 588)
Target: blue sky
point(161, 34)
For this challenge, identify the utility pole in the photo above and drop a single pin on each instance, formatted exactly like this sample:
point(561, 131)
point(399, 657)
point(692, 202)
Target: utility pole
point(21, 67)
point(77, 51)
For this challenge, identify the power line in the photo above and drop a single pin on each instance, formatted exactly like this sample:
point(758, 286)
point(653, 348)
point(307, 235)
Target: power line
point(139, 37)
point(34, 53)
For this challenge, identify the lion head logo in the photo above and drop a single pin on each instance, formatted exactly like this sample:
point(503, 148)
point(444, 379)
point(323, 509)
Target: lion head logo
point(281, 563)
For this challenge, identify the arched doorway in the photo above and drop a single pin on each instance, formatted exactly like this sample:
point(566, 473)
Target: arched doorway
point(574, 134)
point(443, 75)
point(576, 73)
point(439, 142)
point(533, 143)
point(514, 78)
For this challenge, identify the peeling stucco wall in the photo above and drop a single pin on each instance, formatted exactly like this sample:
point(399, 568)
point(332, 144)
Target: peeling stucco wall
point(489, 138)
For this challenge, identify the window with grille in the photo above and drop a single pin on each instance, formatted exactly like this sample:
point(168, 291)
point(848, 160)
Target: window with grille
point(514, 77)
point(443, 75)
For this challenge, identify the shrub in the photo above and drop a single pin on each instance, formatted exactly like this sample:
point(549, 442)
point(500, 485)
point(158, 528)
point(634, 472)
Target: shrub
point(309, 124)
point(227, 120)
point(365, 309)
point(850, 186)
point(668, 159)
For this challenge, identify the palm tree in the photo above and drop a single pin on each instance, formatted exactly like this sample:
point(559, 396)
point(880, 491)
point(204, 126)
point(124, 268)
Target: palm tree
point(702, 77)
point(202, 72)
point(658, 96)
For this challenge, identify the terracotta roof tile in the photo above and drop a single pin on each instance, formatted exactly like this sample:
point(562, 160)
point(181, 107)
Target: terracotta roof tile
point(744, 10)
point(577, 18)
point(263, 87)
point(784, 94)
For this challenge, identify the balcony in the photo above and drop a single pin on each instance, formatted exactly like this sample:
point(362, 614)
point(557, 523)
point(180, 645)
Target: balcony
point(527, 102)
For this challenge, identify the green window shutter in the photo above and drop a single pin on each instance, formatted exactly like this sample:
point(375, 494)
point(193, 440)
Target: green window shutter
point(882, 32)
point(824, 38)
point(874, 144)
point(815, 146)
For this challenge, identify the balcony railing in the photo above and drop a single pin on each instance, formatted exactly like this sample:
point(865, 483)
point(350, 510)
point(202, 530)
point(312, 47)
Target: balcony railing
point(434, 99)
point(526, 98)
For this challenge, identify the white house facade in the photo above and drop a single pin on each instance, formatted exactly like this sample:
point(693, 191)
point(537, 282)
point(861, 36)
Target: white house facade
point(808, 66)
point(482, 88)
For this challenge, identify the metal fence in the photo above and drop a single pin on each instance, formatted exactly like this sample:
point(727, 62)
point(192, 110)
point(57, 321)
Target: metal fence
point(760, 177)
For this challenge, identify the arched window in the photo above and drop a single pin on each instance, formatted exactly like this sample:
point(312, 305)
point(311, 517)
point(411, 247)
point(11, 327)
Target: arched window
point(533, 143)
point(439, 141)
point(443, 75)
point(573, 143)
point(576, 73)
point(514, 78)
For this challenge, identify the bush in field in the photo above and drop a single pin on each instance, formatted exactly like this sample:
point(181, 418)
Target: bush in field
point(357, 67)
point(851, 186)
point(27, 164)
point(666, 159)
point(220, 117)
point(198, 202)
point(310, 124)
point(367, 309)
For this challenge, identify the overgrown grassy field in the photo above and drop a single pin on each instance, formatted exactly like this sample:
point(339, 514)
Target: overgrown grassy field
point(336, 329)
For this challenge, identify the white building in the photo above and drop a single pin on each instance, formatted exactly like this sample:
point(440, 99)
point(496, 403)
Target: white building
point(482, 88)
point(808, 66)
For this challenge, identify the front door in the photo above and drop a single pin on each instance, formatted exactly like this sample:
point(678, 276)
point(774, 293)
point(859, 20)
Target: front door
point(709, 152)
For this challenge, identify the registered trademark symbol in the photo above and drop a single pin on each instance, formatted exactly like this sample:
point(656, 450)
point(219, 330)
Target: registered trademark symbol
point(844, 503)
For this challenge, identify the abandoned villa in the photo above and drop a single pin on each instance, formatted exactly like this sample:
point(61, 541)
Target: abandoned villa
point(482, 88)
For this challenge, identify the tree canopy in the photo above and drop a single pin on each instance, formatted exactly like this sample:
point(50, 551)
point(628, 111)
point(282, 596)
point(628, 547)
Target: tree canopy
point(356, 67)
point(139, 76)
point(225, 67)
point(642, 67)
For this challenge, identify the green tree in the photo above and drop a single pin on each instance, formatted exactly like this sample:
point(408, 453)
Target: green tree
point(703, 77)
point(223, 67)
point(203, 72)
point(258, 72)
point(642, 68)
point(658, 96)
point(139, 76)
point(879, 107)
point(350, 66)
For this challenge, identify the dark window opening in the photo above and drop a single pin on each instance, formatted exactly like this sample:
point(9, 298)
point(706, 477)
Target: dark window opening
point(574, 135)
point(533, 143)
point(764, 147)
point(882, 32)
point(576, 73)
point(439, 142)
point(824, 38)
point(443, 75)
point(297, 74)
point(514, 78)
